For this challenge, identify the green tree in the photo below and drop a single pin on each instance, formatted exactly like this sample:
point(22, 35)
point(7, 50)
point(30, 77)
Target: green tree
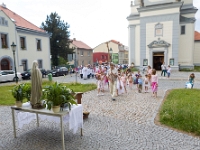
point(59, 37)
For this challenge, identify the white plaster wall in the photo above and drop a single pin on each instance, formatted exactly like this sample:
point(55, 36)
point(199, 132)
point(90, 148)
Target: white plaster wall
point(134, 22)
point(160, 12)
point(134, 9)
point(10, 31)
point(137, 46)
point(197, 52)
point(186, 2)
point(186, 46)
point(167, 36)
point(31, 53)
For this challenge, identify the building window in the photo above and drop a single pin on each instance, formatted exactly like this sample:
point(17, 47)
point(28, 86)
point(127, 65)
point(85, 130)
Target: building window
point(38, 44)
point(3, 22)
point(39, 63)
point(82, 53)
point(102, 56)
point(4, 43)
point(22, 42)
point(159, 29)
point(82, 63)
point(182, 29)
point(89, 62)
point(24, 64)
point(88, 53)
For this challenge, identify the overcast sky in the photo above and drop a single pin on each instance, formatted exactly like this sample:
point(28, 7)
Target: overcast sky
point(91, 21)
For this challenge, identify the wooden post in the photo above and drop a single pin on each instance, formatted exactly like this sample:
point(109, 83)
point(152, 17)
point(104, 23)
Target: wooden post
point(78, 97)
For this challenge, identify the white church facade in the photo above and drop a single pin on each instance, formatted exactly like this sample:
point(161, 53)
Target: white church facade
point(162, 31)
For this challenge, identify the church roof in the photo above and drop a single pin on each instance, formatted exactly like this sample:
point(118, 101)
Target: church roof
point(19, 21)
point(197, 36)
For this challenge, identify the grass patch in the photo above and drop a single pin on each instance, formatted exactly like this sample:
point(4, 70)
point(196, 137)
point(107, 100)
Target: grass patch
point(196, 69)
point(6, 97)
point(181, 110)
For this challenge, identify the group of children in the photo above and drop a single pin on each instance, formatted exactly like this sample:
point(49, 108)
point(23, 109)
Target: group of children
point(126, 79)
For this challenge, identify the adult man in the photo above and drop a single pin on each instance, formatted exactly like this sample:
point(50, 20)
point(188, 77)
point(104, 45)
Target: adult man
point(112, 77)
point(163, 68)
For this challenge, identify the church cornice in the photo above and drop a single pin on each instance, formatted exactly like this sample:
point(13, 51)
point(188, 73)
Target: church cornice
point(158, 43)
point(160, 6)
point(133, 17)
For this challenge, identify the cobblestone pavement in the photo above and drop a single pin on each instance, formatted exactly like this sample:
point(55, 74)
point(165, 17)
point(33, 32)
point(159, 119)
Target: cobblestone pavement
point(124, 124)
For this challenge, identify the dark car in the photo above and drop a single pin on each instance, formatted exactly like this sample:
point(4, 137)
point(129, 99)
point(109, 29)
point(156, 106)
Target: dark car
point(27, 74)
point(44, 72)
point(59, 72)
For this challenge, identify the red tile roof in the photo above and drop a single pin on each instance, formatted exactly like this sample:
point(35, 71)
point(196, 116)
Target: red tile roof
point(197, 36)
point(114, 41)
point(80, 44)
point(19, 21)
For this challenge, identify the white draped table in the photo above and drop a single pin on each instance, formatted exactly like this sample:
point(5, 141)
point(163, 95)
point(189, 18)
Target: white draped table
point(26, 114)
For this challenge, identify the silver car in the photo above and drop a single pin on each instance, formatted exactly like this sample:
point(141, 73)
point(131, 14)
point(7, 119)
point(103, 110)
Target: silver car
point(9, 75)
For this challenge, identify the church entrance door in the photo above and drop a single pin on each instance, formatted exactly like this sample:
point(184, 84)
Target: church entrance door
point(158, 59)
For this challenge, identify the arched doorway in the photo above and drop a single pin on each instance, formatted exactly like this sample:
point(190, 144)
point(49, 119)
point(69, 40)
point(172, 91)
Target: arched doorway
point(5, 64)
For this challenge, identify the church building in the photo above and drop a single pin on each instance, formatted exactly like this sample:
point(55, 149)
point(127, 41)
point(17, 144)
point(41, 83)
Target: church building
point(162, 31)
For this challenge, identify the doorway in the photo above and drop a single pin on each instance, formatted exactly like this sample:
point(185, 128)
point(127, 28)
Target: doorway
point(158, 59)
point(5, 64)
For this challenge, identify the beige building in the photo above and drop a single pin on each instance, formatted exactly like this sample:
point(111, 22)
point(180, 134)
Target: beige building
point(197, 49)
point(162, 31)
point(83, 53)
point(116, 52)
point(32, 42)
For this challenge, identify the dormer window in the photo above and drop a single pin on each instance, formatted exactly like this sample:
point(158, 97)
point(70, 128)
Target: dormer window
point(159, 29)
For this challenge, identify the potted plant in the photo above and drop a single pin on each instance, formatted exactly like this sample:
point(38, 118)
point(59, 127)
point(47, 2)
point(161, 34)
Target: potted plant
point(27, 90)
point(58, 94)
point(19, 93)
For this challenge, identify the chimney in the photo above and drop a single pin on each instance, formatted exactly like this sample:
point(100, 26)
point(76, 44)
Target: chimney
point(74, 39)
point(3, 5)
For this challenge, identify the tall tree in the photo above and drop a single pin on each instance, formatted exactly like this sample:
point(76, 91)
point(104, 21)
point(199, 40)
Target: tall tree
point(59, 37)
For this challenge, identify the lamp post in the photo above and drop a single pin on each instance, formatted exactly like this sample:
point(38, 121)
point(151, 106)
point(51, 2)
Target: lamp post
point(108, 52)
point(75, 65)
point(14, 49)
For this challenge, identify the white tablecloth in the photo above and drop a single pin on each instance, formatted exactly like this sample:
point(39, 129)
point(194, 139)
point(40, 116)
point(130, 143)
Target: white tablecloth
point(74, 117)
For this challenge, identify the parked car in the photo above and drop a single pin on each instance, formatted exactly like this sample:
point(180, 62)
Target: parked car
point(59, 72)
point(44, 72)
point(27, 74)
point(9, 75)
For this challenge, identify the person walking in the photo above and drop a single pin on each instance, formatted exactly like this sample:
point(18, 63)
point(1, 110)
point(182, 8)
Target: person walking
point(163, 68)
point(168, 71)
point(112, 78)
point(146, 83)
point(154, 83)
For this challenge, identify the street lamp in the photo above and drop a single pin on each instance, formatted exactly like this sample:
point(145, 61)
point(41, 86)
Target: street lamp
point(75, 65)
point(14, 49)
point(108, 52)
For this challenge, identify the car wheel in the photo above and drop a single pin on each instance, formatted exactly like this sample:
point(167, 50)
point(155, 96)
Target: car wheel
point(57, 75)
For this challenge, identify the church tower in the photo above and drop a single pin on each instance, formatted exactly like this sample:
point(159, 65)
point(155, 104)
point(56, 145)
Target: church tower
point(161, 31)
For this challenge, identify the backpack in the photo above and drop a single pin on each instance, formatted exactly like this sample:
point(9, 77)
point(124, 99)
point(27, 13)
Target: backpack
point(140, 81)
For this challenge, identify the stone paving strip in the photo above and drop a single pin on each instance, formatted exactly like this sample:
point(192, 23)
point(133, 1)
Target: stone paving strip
point(124, 124)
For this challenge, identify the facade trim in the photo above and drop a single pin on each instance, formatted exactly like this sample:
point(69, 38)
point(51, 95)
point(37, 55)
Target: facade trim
point(160, 7)
point(33, 32)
